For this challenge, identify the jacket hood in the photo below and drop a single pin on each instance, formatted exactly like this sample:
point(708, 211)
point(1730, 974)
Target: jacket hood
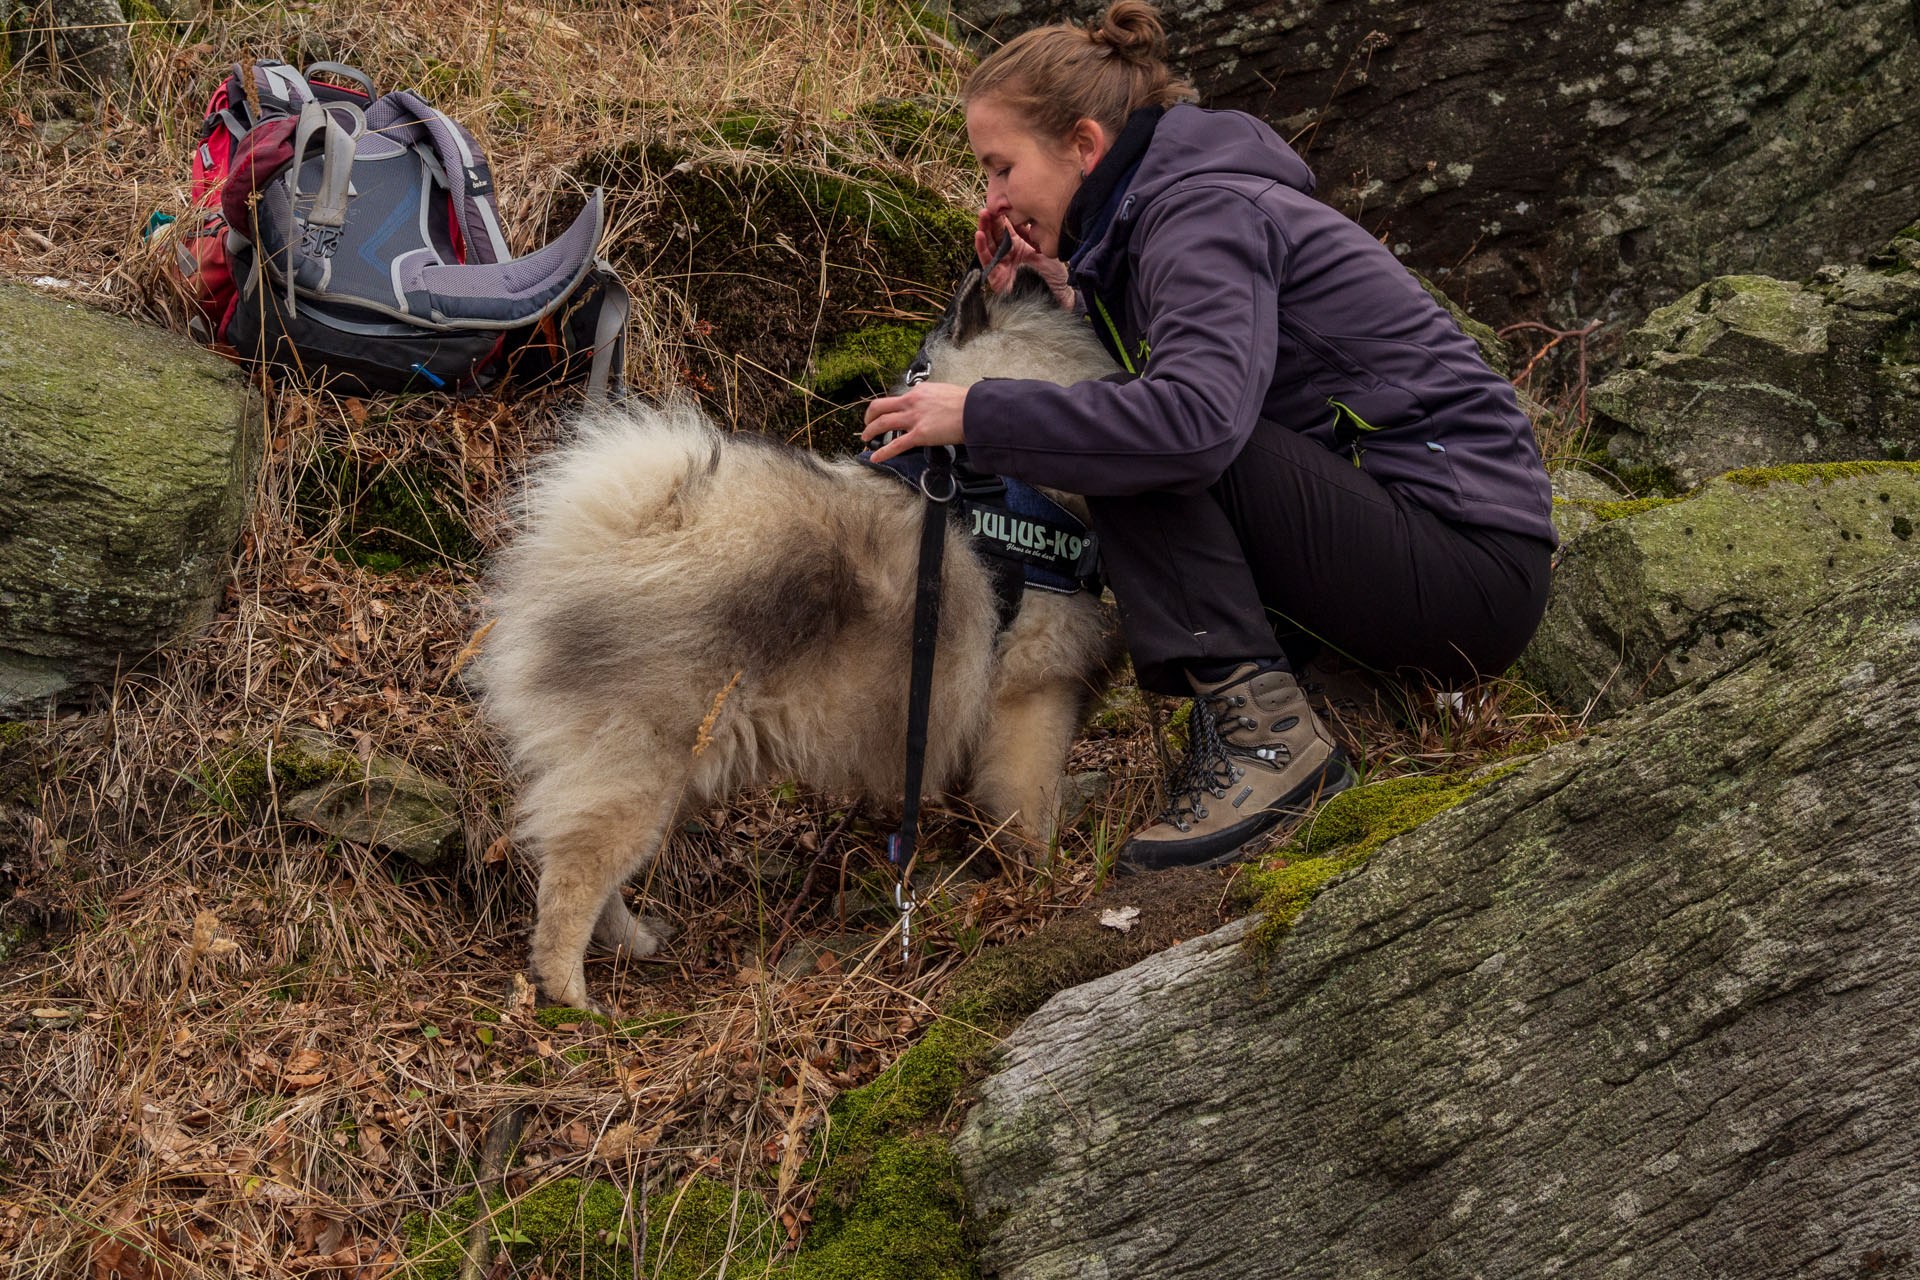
point(1192, 142)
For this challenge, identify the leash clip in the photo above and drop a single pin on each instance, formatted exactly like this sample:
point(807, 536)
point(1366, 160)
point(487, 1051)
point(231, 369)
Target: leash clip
point(903, 899)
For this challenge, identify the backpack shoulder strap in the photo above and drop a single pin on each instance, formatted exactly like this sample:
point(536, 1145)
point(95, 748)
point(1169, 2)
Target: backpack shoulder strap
point(407, 118)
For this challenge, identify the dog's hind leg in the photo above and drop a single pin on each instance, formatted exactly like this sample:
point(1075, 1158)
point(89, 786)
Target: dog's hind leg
point(619, 929)
point(583, 864)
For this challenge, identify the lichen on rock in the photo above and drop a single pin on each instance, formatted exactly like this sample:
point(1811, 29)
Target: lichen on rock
point(128, 455)
point(1749, 371)
point(1669, 591)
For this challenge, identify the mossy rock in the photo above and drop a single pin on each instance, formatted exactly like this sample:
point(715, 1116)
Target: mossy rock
point(1751, 371)
point(584, 1230)
point(127, 457)
point(780, 261)
point(891, 1205)
point(387, 516)
point(1344, 834)
point(920, 129)
point(1666, 592)
point(241, 781)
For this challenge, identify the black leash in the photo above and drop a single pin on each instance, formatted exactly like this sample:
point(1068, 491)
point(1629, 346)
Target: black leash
point(940, 488)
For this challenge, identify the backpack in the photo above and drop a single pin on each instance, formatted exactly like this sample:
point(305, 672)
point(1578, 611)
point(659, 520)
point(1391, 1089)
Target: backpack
point(339, 231)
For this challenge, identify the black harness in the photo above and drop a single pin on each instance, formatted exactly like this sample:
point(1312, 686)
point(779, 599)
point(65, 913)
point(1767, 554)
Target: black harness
point(1027, 540)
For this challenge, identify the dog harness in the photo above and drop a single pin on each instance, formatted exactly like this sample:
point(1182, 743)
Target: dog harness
point(1026, 538)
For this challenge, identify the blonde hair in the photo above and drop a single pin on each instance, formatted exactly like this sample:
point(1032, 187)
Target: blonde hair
point(1054, 76)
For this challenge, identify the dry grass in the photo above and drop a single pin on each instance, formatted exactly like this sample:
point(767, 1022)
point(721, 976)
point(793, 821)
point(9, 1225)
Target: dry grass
point(249, 1050)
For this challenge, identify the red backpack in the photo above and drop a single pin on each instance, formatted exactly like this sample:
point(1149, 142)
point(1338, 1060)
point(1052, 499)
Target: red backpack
point(344, 233)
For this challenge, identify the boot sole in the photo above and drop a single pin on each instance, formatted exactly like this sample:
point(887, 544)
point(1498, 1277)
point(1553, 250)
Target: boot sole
point(1332, 778)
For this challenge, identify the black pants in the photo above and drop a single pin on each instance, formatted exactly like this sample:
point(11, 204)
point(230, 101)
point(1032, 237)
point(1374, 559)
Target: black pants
point(1294, 548)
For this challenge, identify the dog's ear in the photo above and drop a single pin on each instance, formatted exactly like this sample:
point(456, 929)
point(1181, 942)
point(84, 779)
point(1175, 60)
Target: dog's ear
point(1030, 286)
point(969, 309)
point(965, 315)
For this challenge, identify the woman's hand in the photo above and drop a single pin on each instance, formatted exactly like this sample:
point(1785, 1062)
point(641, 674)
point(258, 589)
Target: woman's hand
point(929, 414)
point(989, 230)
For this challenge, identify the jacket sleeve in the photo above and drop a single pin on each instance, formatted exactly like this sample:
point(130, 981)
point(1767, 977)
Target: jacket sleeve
point(1206, 268)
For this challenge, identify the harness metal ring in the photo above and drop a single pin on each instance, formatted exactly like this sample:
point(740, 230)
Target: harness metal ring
point(953, 487)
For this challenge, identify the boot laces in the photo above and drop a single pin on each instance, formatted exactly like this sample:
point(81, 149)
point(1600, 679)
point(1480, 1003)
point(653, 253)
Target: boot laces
point(1206, 769)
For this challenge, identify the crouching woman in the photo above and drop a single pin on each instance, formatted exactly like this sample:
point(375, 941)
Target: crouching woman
point(1304, 449)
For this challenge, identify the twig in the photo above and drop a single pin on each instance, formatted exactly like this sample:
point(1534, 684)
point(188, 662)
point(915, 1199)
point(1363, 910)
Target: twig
point(502, 1133)
point(806, 886)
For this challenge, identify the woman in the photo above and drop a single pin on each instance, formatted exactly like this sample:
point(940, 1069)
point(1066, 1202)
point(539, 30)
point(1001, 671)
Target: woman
point(1304, 450)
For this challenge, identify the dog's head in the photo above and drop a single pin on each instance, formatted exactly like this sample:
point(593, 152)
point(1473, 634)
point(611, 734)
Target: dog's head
point(1022, 333)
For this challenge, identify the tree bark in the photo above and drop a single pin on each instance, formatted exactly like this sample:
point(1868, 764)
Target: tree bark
point(1645, 1007)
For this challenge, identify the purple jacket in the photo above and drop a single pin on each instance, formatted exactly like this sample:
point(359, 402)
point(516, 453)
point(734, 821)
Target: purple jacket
point(1250, 300)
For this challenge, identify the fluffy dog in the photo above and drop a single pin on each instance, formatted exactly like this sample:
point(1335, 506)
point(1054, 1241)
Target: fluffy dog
point(663, 562)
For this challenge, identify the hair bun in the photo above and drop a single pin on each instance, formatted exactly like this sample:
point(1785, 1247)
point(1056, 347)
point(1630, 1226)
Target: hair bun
point(1131, 29)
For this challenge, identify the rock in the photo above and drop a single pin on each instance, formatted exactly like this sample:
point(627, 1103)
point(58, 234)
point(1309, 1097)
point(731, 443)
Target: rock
point(1660, 592)
point(1747, 371)
point(1640, 1007)
point(805, 954)
point(388, 804)
point(88, 43)
point(129, 458)
point(1586, 160)
point(791, 236)
point(1082, 794)
point(1576, 492)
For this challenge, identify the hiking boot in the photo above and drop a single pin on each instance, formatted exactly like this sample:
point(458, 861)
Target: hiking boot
point(1256, 754)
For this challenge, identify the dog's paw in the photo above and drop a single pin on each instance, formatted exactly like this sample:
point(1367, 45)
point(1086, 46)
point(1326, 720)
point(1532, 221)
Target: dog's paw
point(663, 931)
point(572, 994)
point(619, 930)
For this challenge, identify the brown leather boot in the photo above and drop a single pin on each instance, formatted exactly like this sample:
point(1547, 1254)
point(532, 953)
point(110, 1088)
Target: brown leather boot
point(1256, 753)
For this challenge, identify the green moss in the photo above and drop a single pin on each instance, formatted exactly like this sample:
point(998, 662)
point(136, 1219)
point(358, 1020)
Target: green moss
point(913, 1092)
point(583, 1230)
point(919, 129)
point(1628, 507)
point(237, 781)
point(14, 937)
point(555, 1016)
point(14, 733)
point(862, 363)
point(905, 1220)
point(747, 130)
point(891, 1205)
point(1342, 836)
point(1808, 472)
point(1646, 482)
point(391, 515)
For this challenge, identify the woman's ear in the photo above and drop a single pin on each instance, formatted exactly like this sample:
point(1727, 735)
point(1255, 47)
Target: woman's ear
point(1089, 142)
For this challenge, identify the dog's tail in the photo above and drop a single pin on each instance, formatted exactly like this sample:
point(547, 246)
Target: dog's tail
point(621, 477)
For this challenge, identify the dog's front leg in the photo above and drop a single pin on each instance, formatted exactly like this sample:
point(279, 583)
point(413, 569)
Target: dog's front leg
point(1016, 776)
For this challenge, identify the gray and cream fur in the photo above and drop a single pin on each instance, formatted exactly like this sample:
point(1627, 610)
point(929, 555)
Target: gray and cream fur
point(661, 558)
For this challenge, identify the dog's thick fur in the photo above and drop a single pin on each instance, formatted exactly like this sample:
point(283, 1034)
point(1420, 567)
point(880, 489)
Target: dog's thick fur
point(660, 558)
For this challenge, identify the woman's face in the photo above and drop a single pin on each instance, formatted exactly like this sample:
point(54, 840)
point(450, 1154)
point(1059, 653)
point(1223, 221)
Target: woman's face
point(1029, 180)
